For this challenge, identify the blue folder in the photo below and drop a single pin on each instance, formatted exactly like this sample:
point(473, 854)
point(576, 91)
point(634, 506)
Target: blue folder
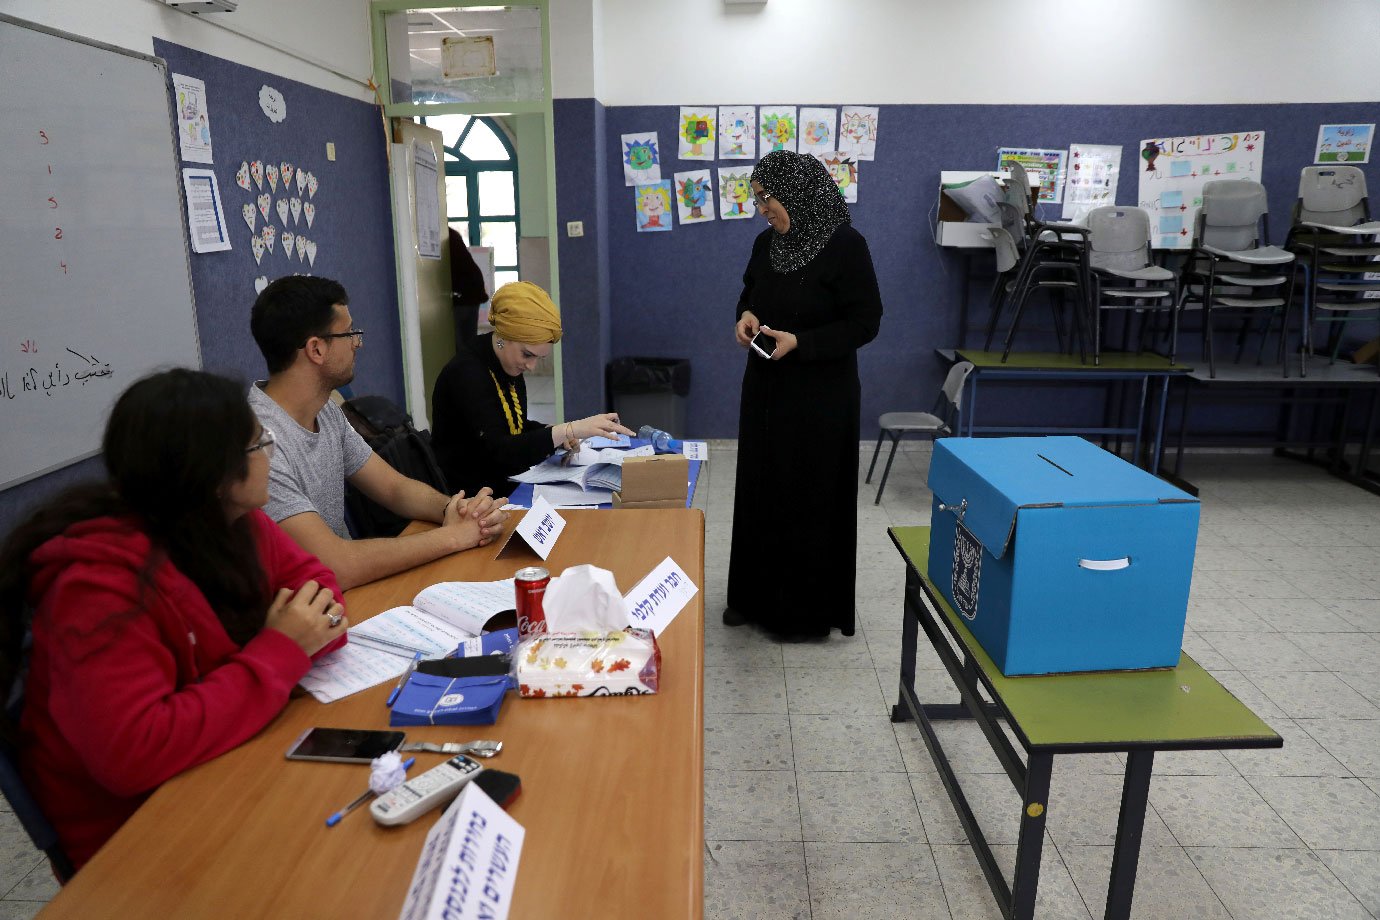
point(431, 700)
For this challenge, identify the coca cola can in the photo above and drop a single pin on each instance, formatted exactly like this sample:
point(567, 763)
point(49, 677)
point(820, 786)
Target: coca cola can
point(529, 583)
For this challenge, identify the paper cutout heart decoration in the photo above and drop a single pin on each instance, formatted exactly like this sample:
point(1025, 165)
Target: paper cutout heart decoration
point(260, 283)
point(301, 246)
point(265, 202)
point(242, 177)
point(288, 240)
point(311, 184)
point(248, 212)
point(258, 246)
point(271, 172)
point(308, 209)
point(269, 234)
point(301, 180)
point(282, 211)
point(296, 210)
point(311, 251)
point(256, 169)
point(286, 170)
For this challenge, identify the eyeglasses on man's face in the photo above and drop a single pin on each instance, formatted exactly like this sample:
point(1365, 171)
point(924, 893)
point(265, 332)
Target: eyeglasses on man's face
point(356, 334)
point(265, 443)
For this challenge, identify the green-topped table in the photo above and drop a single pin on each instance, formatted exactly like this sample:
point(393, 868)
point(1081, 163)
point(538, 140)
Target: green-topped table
point(1054, 367)
point(1138, 712)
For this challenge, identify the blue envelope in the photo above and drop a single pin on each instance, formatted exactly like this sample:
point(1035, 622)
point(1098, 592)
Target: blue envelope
point(430, 700)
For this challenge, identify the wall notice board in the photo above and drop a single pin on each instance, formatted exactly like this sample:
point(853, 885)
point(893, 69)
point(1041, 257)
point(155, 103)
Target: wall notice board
point(95, 288)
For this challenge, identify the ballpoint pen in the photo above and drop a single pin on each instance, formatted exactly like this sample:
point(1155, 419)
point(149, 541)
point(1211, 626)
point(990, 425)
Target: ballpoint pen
point(334, 819)
point(402, 681)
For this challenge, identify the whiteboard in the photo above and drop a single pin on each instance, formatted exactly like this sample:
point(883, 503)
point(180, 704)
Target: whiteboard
point(95, 287)
point(1173, 171)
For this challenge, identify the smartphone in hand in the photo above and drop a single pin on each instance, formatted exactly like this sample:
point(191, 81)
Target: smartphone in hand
point(763, 344)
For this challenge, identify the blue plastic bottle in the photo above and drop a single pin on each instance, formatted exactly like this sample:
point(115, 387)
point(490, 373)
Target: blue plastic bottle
point(660, 440)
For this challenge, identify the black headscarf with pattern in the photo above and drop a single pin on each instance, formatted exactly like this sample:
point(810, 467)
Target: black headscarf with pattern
point(812, 199)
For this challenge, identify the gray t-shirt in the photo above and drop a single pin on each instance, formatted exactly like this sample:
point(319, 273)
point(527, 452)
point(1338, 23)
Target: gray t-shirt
point(309, 468)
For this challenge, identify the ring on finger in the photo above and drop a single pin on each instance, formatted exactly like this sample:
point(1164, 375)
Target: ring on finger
point(335, 619)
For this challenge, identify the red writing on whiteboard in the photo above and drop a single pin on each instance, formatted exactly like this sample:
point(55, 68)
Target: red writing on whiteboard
point(63, 266)
point(43, 137)
point(52, 202)
point(57, 233)
point(28, 347)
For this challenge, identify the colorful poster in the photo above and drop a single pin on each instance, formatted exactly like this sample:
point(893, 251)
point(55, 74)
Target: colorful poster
point(1344, 143)
point(694, 197)
point(641, 155)
point(858, 132)
point(737, 132)
point(653, 206)
point(818, 131)
point(844, 169)
point(1175, 170)
point(777, 128)
point(697, 132)
point(1047, 165)
point(193, 121)
point(735, 190)
point(1094, 170)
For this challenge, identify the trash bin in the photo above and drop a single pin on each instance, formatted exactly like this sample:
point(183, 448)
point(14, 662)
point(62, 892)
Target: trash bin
point(650, 391)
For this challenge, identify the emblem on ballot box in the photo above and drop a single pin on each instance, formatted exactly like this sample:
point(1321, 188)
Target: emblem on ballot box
point(967, 570)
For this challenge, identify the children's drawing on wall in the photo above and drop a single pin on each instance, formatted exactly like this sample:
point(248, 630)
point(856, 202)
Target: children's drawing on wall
point(193, 121)
point(844, 169)
point(858, 131)
point(641, 159)
point(1047, 165)
point(697, 132)
point(737, 132)
point(818, 130)
point(653, 206)
point(694, 197)
point(1176, 168)
point(1344, 143)
point(1094, 170)
point(735, 188)
point(776, 128)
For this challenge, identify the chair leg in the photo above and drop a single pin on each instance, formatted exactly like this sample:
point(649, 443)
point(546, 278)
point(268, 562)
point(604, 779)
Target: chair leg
point(886, 471)
point(997, 306)
point(1207, 336)
point(875, 451)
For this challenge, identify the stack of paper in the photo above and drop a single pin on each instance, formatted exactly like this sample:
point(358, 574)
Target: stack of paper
point(588, 468)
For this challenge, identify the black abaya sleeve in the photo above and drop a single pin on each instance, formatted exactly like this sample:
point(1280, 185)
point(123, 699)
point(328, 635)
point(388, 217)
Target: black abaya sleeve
point(853, 285)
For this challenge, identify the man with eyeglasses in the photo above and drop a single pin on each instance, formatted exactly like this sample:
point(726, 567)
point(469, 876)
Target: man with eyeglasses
point(303, 328)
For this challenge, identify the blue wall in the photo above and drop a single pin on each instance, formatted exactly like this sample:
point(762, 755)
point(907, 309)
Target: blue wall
point(353, 231)
point(673, 294)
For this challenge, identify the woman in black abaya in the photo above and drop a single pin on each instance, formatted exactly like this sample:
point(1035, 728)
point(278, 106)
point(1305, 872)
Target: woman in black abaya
point(810, 287)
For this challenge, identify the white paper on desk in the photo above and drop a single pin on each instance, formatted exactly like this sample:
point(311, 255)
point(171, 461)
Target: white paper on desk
point(588, 456)
point(570, 495)
point(696, 450)
point(656, 599)
point(469, 862)
point(352, 668)
point(467, 605)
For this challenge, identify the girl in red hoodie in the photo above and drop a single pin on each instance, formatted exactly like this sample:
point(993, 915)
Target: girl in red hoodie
point(169, 616)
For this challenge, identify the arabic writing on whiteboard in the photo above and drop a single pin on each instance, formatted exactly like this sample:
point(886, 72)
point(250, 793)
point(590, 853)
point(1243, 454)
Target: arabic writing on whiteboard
point(75, 372)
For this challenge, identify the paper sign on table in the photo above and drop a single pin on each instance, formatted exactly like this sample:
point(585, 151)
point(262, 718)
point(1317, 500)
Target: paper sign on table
point(656, 599)
point(538, 530)
point(695, 450)
point(469, 862)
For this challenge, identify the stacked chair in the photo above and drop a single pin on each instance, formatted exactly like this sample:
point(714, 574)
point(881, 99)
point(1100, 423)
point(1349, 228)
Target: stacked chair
point(1337, 245)
point(942, 421)
point(1123, 277)
point(1233, 269)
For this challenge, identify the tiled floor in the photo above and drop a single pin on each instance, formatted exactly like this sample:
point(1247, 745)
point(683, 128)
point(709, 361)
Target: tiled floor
point(816, 806)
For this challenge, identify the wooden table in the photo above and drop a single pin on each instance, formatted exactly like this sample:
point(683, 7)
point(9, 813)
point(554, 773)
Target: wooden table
point(1135, 712)
point(612, 788)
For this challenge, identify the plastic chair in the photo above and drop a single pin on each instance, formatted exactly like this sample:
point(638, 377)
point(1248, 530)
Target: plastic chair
point(1123, 276)
point(942, 420)
point(1234, 268)
point(1337, 243)
point(25, 806)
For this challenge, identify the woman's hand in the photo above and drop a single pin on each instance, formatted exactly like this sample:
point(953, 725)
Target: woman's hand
point(785, 342)
point(309, 616)
point(746, 328)
point(604, 426)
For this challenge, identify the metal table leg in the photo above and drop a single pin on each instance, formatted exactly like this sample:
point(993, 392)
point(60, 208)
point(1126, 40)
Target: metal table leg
point(1135, 795)
point(1034, 806)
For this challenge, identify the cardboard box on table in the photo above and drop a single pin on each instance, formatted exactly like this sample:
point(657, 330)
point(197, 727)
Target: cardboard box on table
point(1059, 555)
point(662, 481)
point(953, 228)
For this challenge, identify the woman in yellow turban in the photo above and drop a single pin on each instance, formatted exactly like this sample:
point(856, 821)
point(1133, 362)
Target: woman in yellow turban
point(480, 429)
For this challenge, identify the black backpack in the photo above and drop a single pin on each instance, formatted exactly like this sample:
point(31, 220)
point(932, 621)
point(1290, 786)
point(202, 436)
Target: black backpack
point(388, 430)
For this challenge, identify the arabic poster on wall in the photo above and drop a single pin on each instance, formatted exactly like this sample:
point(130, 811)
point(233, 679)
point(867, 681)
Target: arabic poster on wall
point(1046, 165)
point(1344, 143)
point(1094, 170)
point(1175, 169)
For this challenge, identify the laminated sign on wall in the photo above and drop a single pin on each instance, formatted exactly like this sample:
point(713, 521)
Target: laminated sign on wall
point(1174, 169)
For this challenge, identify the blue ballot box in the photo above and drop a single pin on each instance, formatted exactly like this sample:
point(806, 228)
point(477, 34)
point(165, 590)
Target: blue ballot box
point(1059, 555)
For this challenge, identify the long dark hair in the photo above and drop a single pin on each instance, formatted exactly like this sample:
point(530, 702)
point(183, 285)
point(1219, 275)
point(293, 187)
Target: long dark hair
point(174, 440)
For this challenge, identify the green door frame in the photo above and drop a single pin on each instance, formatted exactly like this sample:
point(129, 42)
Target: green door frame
point(378, 11)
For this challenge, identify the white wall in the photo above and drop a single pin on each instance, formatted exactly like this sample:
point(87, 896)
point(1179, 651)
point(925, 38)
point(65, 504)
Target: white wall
point(574, 48)
point(324, 43)
point(993, 51)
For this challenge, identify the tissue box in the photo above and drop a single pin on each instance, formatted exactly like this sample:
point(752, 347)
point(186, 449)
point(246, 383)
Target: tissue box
point(1061, 556)
point(662, 481)
point(625, 663)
